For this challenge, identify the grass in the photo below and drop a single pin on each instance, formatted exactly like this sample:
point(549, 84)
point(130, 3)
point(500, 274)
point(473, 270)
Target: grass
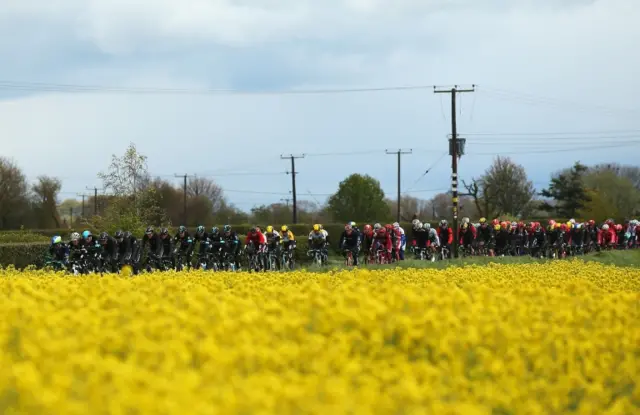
point(619, 258)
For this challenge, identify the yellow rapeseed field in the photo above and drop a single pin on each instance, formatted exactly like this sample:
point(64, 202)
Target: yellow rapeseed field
point(500, 339)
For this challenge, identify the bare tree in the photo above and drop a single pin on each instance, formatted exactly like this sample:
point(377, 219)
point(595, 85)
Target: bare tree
point(45, 193)
point(13, 194)
point(201, 186)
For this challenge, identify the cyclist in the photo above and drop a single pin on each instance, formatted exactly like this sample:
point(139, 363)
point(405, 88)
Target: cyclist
point(153, 240)
point(272, 238)
point(577, 238)
point(401, 240)
point(318, 241)
point(382, 242)
point(128, 249)
point(445, 234)
point(501, 238)
point(467, 237)
point(109, 252)
point(537, 240)
point(216, 242)
point(184, 246)
point(202, 238)
point(367, 239)
point(167, 246)
point(58, 251)
point(287, 238)
point(256, 244)
point(350, 242)
point(607, 237)
point(486, 236)
point(326, 234)
point(232, 244)
point(432, 241)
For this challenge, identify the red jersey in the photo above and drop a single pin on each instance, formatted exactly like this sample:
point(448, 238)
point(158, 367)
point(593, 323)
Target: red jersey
point(257, 238)
point(445, 234)
point(383, 237)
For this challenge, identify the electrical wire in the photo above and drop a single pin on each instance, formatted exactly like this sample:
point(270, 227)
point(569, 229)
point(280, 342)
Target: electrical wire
point(545, 151)
point(73, 88)
point(427, 171)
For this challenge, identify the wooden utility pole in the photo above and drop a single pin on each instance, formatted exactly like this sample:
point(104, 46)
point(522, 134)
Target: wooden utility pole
point(184, 211)
point(95, 199)
point(453, 150)
point(293, 183)
point(399, 153)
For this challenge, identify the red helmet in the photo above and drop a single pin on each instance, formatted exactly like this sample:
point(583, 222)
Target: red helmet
point(520, 224)
point(367, 228)
point(495, 222)
point(563, 227)
point(592, 222)
point(618, 227)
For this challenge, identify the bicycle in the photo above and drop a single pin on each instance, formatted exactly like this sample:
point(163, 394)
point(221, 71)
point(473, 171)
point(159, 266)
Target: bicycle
point(319, 257)
point(348, 261)
point(288, 260)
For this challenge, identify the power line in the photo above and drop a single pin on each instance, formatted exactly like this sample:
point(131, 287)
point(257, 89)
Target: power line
point(580, 133)
point(427, 171)
point(546, 151)
point(75, 88)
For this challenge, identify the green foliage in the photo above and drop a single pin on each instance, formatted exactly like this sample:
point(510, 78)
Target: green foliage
point(22, 255)
point(359, 198)
point(612, 196)
point(21, 237)
point(569, 192)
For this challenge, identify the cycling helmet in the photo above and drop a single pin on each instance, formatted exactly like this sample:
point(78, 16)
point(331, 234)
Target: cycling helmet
point(377, 226)
point(415, 221)
point(367, 228)
point(496, 227)
point(226, 228)
point(592, 222)
point(200, 230)
point(75, 236)
point(352, 223)
point(578, 226)
point(495, 222)
point(284, 228)
point(316, 228)
point(119, 234)
point(618, 227)
point(465, 220)
point(388, 226)
point(426, 226)
point(572, 221)
point(104, 236)
point(396, 225)
point(269, 229)
point(215, 230)
point(253, 229)
point(149, 230)
point(164, 231)
point(56, 240)
point(417, 225)
point(483, 220)
point(182, 229)
point(86, 234)
point(514, 224)
point(605, 227)
point(564, 227)
point(520, 224)
point(444, 223)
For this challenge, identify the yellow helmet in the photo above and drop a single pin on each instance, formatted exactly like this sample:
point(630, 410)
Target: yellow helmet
point(483, 220)
point(284, 228)
point(316, 227)
point(269, 228)
point(569, 225)
point(496, 227)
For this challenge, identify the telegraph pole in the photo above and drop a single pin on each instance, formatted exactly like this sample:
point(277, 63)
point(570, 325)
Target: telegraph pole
point(399, 153)
point(184, 211)
point(95, 199)
point(293, 182)
point(285, 200)
point(453, 150)
point(83, 196)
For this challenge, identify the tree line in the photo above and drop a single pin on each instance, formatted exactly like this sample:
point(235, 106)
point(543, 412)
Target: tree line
point(135, 198)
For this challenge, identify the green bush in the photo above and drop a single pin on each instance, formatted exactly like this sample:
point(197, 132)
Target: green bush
point(22, 255)
point(21, 236)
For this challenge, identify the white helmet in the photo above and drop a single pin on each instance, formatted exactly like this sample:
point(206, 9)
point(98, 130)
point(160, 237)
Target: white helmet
point(465, 220)
point(413, 222)
point(75, 236)
point(377, 226)
point(605, 227)
point(396, 225)
point(426, 226)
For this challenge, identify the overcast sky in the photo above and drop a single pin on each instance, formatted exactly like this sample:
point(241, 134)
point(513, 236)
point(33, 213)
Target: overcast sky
point(544, 66)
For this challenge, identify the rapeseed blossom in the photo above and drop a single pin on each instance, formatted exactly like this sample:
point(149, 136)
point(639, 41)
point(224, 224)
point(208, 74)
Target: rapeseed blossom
point(501, 339)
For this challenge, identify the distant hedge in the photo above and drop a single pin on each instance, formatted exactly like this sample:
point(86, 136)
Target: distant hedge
point(24, 254)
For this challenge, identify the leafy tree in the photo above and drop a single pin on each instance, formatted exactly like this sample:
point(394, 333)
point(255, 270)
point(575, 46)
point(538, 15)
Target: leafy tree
point(503, 189)
point(126, 174)
point(359, 198)
point(632, 173)
point(569, 192)
point(13, 194)
point(612, 196)
point(203, 187)
point(45, 193)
